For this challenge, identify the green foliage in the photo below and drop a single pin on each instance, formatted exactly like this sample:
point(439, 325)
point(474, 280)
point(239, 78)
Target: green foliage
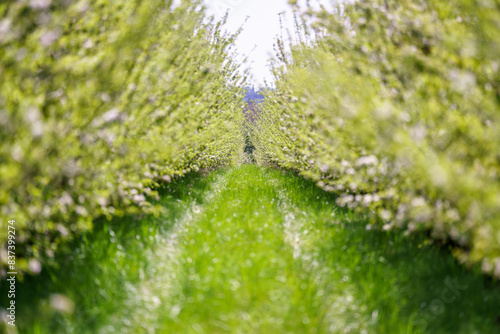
point(394, 106)
point(99, 102)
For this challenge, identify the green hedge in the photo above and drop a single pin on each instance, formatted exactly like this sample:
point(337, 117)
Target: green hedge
point(395, 106)
point(99, 102)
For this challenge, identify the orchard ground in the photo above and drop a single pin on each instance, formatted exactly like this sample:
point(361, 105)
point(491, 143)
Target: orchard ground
point(254, 250)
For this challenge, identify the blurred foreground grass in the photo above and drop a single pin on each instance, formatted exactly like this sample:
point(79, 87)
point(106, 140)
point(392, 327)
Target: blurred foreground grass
point(253, 250)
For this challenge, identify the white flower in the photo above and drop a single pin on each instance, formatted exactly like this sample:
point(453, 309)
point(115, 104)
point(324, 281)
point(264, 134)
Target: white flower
point(462, 81)
point(367, 160)
point(66, 200)
point(80, 210)
point(344, 200)
point(5, 26)
point(367, 199)
point(34, 266)
point(139, 198)
point(418, 201)
point(497, 268)
point(111, 115)
point(50, 37)
point(62, 303)
point(88, 44)
point(40, 4)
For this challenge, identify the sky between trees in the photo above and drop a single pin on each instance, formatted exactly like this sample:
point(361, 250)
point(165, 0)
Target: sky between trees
point(256, 40)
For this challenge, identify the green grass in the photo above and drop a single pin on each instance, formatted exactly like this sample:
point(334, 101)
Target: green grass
point(255, 250)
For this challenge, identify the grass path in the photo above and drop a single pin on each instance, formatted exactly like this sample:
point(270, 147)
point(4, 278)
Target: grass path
point(255, 250)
